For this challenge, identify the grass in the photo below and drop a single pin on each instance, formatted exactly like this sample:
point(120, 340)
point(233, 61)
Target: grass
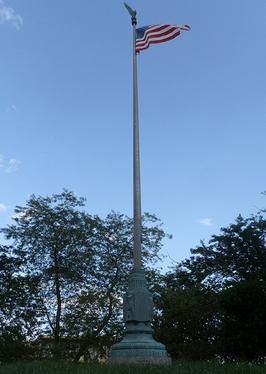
point(50, 367)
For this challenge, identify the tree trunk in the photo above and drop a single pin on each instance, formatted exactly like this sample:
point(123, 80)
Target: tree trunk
point(88, 342)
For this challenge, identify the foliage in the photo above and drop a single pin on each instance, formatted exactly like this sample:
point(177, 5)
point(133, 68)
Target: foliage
point(64, 272)
point(237, 254)
point(17, 318)
point(243, 333)
point(186, 318)
point(214, 303)
point(76, 265)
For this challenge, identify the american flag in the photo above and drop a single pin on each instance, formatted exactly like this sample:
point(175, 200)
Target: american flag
point(153, 34)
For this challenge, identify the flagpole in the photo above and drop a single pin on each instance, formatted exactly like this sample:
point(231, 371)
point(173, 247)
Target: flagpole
point(136, 159)
point(138, 345)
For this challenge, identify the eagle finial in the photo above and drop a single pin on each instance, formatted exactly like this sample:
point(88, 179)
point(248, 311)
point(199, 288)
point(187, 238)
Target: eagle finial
point(132, 12)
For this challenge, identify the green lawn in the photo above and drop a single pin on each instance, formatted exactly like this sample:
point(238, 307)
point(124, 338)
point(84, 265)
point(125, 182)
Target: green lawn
point(176, 368)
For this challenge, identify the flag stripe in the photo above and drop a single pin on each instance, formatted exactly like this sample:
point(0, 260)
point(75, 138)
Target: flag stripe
point(154, 34)
point(153, 30)
point(156, 41)
point(159, 39)
point(149, 37)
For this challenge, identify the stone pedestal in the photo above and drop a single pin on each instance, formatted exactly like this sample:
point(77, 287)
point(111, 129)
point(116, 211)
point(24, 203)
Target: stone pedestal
point(138, 345)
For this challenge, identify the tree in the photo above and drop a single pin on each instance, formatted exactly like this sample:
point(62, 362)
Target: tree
point(234, 264)
point(237, 254)
point(80, 263)
point(186, 317)
point(214, 302)
point(51, 237)
point(243, 327)
point(99, 306)
point(17, 317)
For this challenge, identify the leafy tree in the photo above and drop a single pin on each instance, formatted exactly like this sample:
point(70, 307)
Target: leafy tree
point(237, 254)
point(186, 317)
point(52, 239)
point(99, 306)
point(80, 265)
point(214, 302)
point(243, 328)
point(17, 317)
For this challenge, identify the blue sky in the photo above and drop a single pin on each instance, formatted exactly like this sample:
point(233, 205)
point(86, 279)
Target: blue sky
point(66, 110)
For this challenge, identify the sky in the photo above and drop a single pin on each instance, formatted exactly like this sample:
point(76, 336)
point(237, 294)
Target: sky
point(66, 110)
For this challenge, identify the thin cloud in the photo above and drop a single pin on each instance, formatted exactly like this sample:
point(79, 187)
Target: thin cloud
point(8, 15)
point(9, 166)
point(3, 207)
point(11, 108)
point(1, 161)
point(12, 165)
point(205, 221)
